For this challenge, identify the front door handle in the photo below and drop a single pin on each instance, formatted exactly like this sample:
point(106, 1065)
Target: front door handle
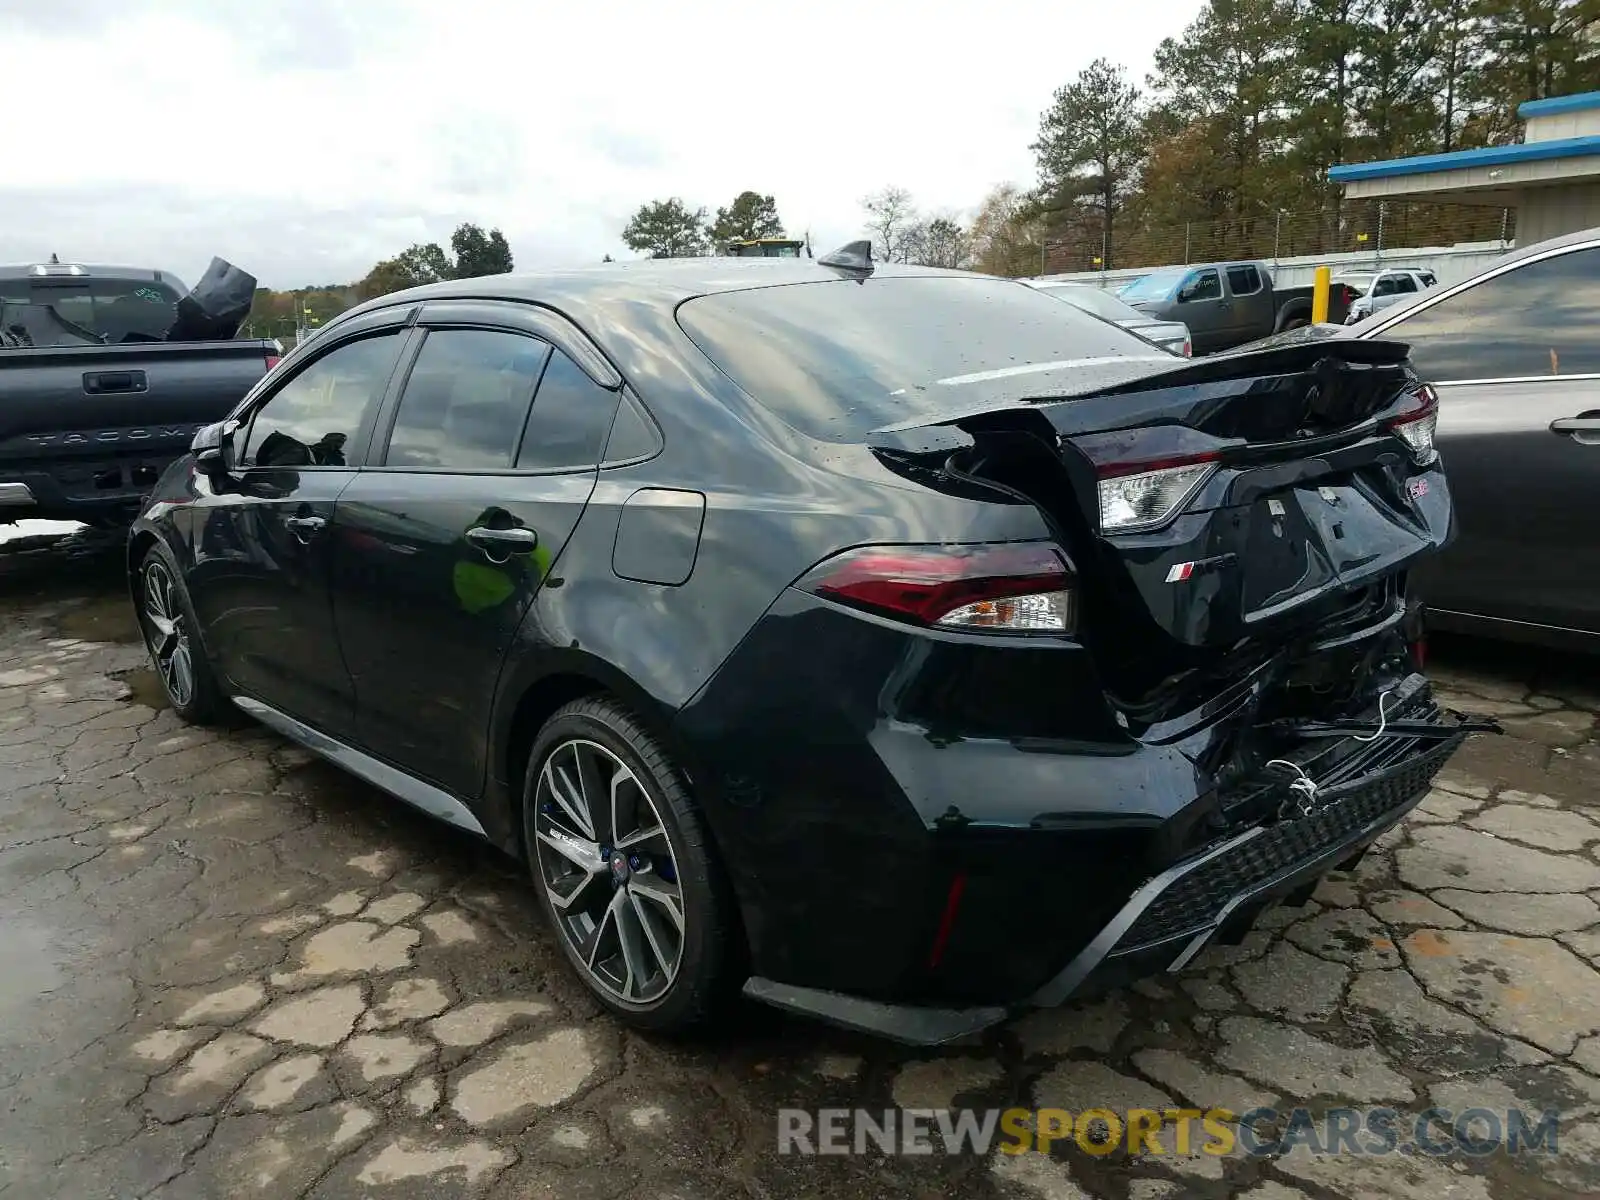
point(500, 544)
point(1585, 429)
point(304, 527)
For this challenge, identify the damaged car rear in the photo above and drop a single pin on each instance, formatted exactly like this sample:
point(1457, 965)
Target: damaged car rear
point(1044, 765)
point(901, 647)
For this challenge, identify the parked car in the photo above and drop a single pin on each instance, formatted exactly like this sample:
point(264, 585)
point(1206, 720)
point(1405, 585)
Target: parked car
point(1376, 291)
point(1514, 352)
point(1172, 336)
point(805, 625)
point(98, 397)
point(1227, 304)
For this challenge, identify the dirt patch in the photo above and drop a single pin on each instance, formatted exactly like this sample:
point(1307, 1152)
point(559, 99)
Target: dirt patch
point(101, 619)
point(144, 687)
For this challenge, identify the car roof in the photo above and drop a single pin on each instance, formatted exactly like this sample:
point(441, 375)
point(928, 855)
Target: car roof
point(658, 283)
point(81, 271)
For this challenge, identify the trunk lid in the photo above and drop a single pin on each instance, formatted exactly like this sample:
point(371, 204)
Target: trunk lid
point(1293, 513)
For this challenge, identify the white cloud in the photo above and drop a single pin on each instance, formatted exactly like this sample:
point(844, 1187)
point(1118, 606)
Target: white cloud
point(308, 138)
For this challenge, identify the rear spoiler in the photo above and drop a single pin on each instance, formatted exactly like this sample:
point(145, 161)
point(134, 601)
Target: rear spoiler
point(1332, 361)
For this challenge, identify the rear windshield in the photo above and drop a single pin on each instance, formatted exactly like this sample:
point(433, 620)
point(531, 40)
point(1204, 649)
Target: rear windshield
point(1093, 300)
point(838, 359)
point(113, 309)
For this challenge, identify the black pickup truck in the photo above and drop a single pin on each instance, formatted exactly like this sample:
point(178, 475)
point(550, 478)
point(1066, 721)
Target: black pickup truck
point(105, 375)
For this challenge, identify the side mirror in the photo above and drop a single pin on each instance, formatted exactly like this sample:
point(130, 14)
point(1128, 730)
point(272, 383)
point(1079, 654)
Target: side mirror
point(212, 448)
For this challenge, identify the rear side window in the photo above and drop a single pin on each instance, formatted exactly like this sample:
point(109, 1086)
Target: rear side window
point(466, 399)
point(1531, 321)
point(325, 409)
point(1244, 281)
point(571, 417)
point(839, 358)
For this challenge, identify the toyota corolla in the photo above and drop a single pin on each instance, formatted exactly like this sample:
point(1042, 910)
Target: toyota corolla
point(898, 646)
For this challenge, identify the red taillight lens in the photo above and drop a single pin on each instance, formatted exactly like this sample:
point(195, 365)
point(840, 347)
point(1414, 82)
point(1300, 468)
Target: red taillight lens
point(272, 361)
point(1417, 422)
point(1015, 587)
point(1188, 348)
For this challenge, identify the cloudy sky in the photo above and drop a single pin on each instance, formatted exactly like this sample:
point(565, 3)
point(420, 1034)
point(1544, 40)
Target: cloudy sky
point(305, 139)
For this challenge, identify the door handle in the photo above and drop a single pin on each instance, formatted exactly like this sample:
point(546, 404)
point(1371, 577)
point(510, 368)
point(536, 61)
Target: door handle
point(500, 544)
point(304, 527)
point(1584, 430)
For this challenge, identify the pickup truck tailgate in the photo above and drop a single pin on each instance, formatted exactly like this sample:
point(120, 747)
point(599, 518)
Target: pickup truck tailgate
point(87, 428)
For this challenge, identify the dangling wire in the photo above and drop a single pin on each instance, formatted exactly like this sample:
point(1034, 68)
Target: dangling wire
point(1303, 783)
point(1383, 719)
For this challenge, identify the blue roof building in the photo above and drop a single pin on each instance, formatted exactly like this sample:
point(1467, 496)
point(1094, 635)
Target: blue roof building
point(1552, 177)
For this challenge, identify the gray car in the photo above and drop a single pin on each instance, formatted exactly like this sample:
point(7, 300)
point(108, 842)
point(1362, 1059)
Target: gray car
point(1514, 353)
point(1169, 335)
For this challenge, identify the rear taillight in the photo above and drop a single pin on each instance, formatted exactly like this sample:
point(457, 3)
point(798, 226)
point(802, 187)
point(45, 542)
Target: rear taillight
point(272, 361)
point(1188, 348)
point(1145, 476)
point(1007, 587)
point(1417, 422)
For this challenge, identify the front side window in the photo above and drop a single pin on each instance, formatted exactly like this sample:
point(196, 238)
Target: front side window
point(465, 400)
point(1534, 320)
point(1202, 285)
point(312, 420)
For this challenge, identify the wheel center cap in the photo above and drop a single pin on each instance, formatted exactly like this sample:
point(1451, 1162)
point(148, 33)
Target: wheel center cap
point(619, 869)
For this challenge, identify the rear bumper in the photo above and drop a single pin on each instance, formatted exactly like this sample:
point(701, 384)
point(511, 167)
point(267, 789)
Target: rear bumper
point(82, 487)
point(1213, 894)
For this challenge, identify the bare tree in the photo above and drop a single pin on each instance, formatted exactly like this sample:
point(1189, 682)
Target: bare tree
point(890, 216)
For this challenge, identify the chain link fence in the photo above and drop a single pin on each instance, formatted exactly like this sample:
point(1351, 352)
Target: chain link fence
point(1353, 227)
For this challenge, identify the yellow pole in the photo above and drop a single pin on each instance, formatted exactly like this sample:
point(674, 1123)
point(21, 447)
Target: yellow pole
point(1319, 296)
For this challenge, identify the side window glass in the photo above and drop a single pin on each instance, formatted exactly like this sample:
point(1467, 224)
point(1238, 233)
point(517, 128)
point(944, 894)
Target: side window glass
point(1385, 286)
point(1534, 320)
point(1203, 285)
point(1244, 281)
point(633, 434)
point(465, 400)
point(310, 421)
point(1404, 283)
point(570, 419)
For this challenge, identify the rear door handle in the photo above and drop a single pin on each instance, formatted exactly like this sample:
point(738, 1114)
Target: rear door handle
point(502, 542)
point(1584, 430)
point(103, 383)
point(304, 527)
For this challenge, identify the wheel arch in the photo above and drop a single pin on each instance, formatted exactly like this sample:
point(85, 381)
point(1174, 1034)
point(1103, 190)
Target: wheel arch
point(1300, 306)
point(531, 695)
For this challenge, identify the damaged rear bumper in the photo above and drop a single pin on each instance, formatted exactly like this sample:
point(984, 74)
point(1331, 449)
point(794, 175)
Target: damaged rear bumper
point(1214, 894)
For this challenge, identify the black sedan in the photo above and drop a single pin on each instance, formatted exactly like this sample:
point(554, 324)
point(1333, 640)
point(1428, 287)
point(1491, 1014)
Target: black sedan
point(898, 646)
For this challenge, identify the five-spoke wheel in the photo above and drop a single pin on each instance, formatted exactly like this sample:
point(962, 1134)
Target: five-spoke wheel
point(166, 633)
point(609, 870)
point(626, 869)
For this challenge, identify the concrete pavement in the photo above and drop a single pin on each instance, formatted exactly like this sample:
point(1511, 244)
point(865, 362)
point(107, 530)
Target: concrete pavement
point(227, 970)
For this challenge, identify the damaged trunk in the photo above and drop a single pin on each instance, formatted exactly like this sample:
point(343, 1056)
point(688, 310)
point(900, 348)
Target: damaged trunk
point(1230, 520)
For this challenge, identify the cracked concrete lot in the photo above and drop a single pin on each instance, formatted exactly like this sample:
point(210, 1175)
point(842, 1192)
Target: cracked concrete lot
point(226, 970)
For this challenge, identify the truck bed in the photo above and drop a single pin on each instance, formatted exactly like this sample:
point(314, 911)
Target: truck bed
point(85, 431)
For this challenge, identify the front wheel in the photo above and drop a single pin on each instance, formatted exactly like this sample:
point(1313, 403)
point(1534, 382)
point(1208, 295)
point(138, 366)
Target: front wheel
point(167, 621)
point(625, 869)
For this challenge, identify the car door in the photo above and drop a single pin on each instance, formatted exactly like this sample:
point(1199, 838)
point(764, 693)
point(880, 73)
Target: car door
point(1205, 310)
point(1516, 360)
point(1250, 314)
point(262, 555)
point(1392, 288)
point(482, 467)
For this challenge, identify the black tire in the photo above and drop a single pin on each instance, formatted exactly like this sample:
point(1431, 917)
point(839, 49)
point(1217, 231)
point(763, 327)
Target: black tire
point(171, 630)
point(707, 963)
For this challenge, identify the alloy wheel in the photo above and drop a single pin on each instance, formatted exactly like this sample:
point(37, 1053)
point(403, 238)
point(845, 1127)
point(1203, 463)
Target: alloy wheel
point(167, 635)
point(610, 871)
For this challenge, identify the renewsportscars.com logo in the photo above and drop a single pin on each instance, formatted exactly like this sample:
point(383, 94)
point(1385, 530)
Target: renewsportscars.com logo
point(1143, 1132)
